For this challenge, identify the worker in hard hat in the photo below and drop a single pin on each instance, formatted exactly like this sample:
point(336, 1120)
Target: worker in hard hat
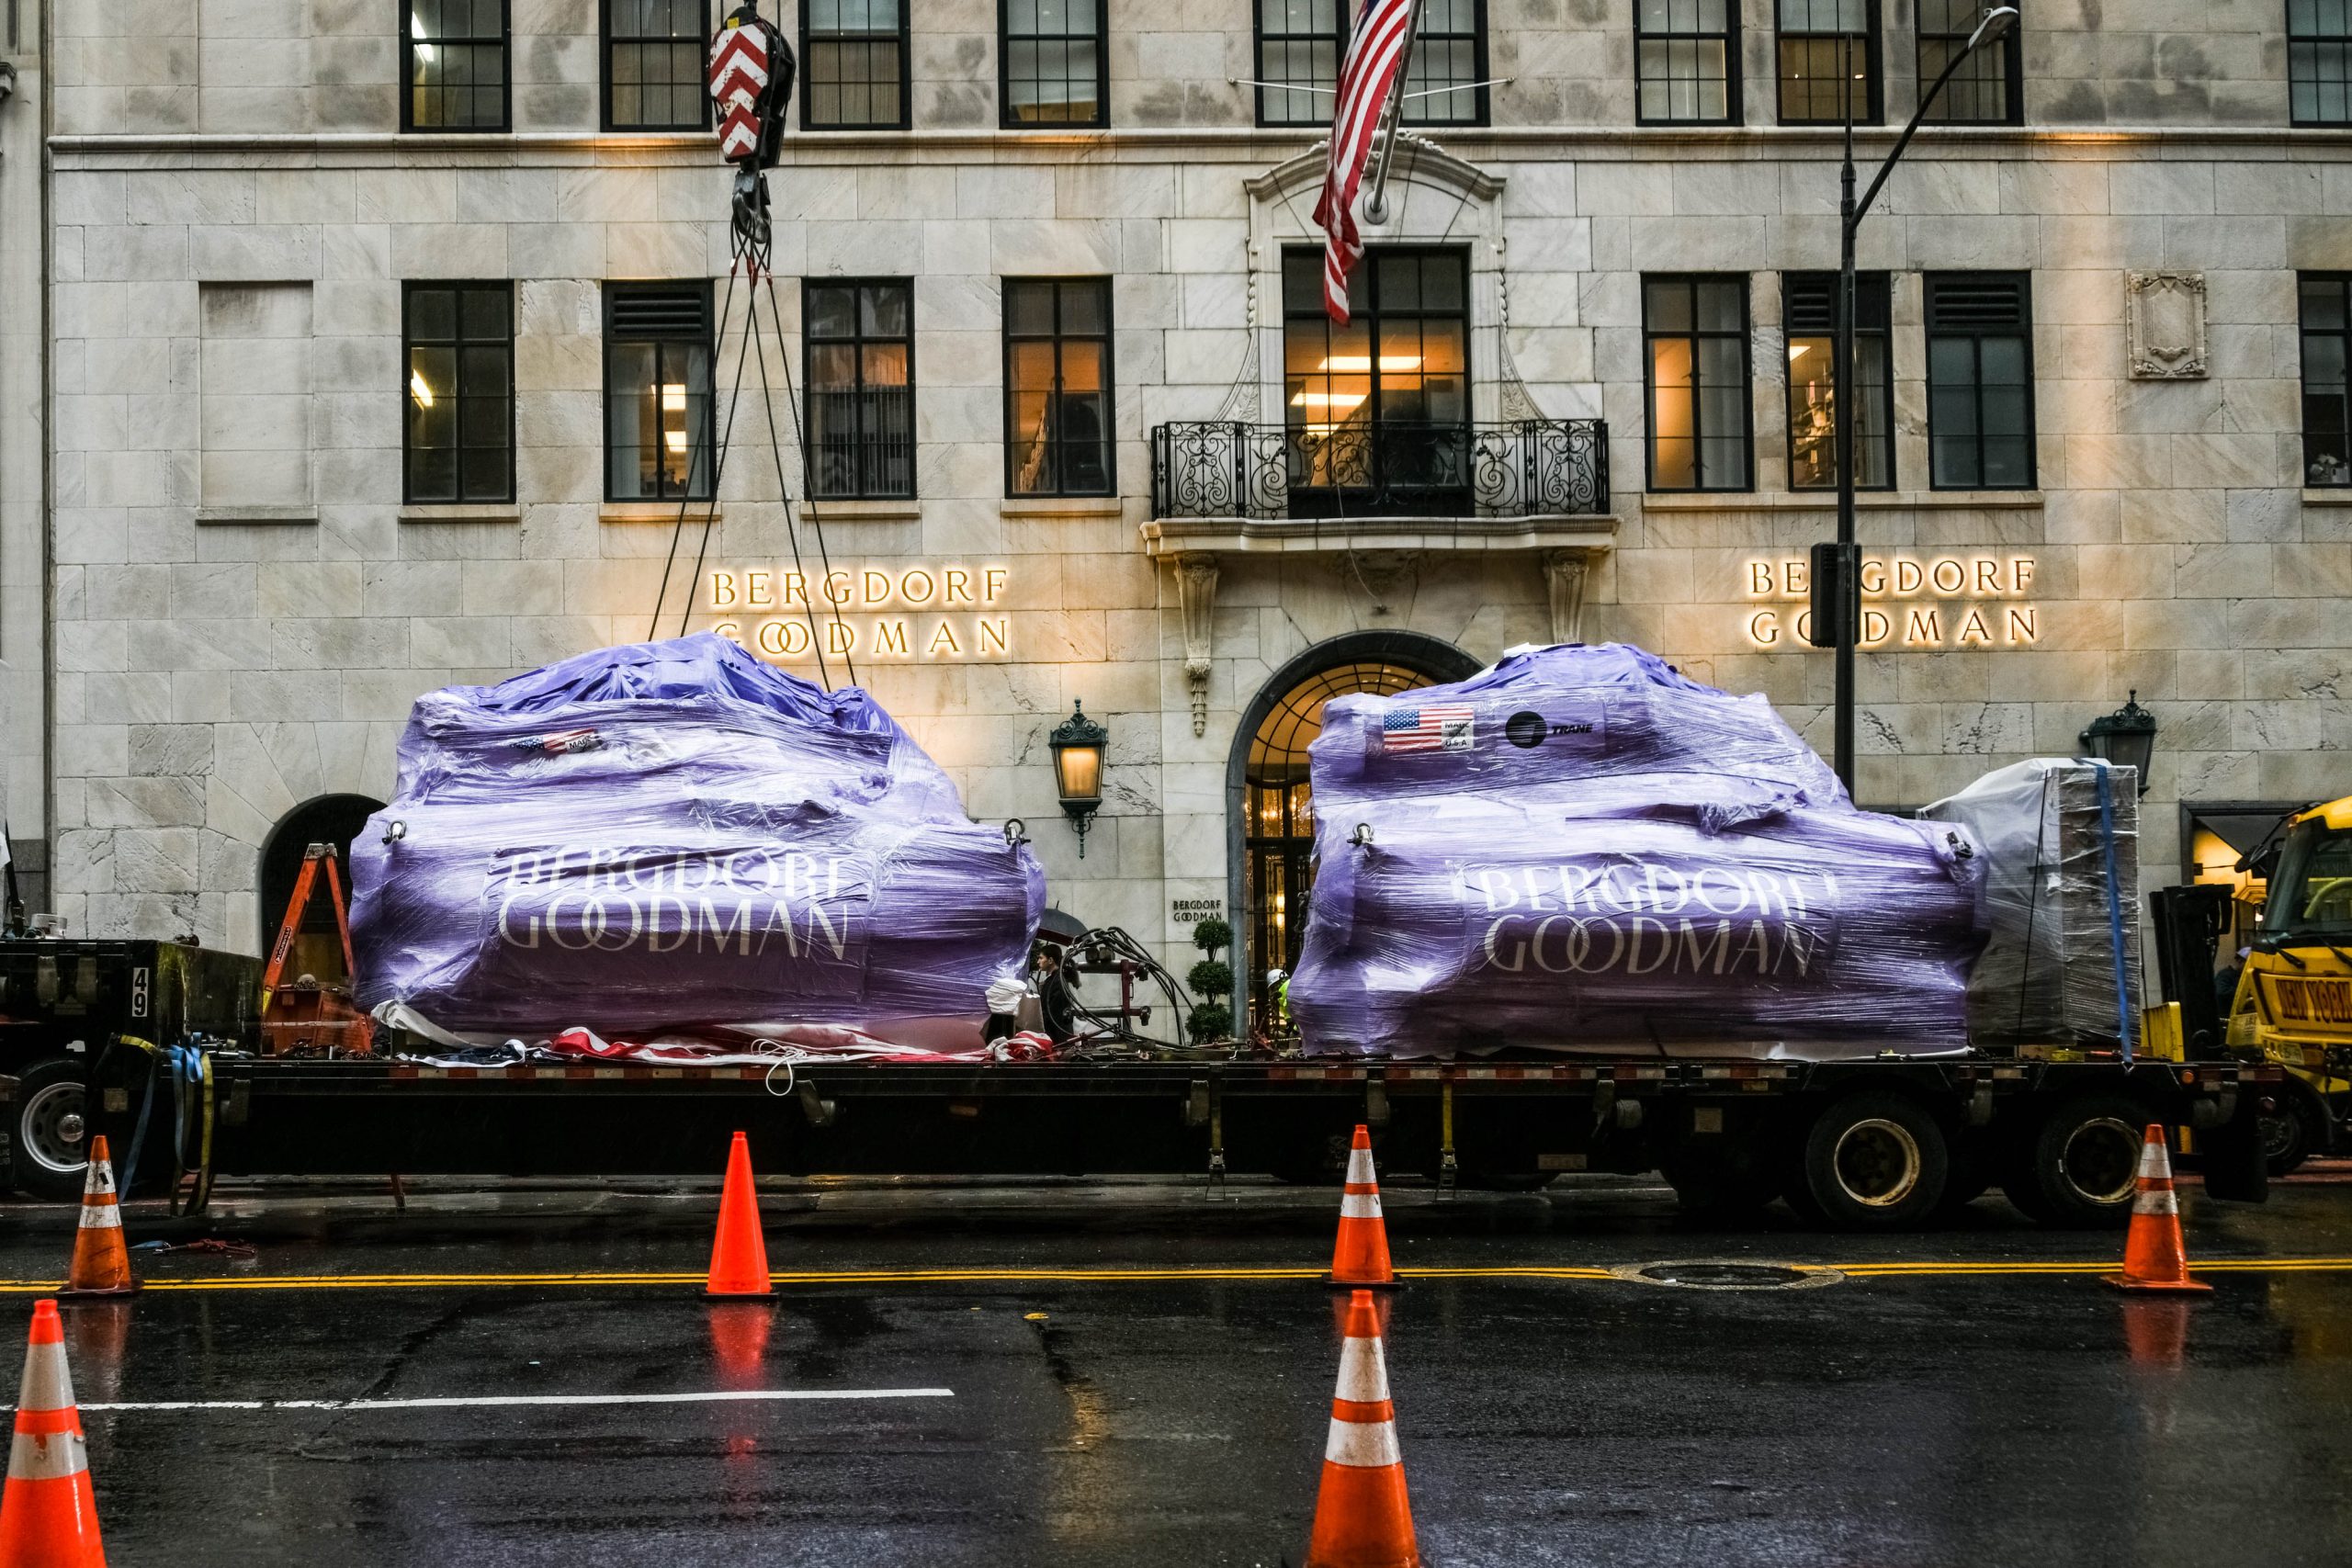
point(1278, 1000)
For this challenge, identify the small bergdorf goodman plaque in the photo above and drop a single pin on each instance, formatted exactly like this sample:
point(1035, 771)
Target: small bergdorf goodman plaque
point(2167, 325)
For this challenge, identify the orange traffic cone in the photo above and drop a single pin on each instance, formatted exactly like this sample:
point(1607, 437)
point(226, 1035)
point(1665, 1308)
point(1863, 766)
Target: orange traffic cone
point(739, 1254)
point(48, 1516)
point(101, 1262)
point(2154, 1258)
point(1361, 1258)
point(1363, 1517)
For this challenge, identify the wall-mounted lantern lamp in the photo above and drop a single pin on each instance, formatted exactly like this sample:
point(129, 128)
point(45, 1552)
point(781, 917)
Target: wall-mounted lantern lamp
point(2126, 738)
point(1077, 744)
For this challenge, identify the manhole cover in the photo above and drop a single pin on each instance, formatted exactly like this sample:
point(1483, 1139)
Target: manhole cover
point(1715, 1274)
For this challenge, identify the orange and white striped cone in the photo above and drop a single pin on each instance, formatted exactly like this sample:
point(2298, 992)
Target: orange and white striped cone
point(101, 1262)
point(1360, 1260)
point(1363, 1517)
point(48, 1518)
point(2154, 1257)
point(739, 1251)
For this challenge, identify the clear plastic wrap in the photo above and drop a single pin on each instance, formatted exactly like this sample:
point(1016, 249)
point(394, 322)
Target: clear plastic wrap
point(1579, 849)
point(2061, 843)
point(674, 835)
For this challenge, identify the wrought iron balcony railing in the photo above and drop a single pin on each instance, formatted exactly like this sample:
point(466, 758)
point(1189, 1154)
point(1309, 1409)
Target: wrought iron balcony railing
point(1386, 468)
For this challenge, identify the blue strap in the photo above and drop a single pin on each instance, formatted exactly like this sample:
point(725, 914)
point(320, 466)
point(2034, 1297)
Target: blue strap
point(2114, 914)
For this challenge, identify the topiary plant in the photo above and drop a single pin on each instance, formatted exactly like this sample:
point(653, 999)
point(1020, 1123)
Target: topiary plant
point(1211, 977)
point(1210, 1020)
point(1212, 934)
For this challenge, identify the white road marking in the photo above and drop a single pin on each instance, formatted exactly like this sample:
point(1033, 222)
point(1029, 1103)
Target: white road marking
point(716, 1396)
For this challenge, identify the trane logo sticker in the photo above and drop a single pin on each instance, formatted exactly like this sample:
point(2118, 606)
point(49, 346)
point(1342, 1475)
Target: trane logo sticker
point(2315, 1001)
point(1637, 920)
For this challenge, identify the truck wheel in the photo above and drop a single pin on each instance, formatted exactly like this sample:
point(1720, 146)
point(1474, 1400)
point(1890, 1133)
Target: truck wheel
point(2079, 1169)
point(2293, 1132)
point(52, 1131)
point(1873, 1161)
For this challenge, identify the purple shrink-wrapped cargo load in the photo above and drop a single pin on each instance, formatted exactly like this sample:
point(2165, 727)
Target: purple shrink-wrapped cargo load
point(1581, 849)
point(675, 835)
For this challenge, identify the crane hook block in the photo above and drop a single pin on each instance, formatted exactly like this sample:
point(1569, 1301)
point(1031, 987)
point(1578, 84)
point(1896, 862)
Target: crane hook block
point(751, 83)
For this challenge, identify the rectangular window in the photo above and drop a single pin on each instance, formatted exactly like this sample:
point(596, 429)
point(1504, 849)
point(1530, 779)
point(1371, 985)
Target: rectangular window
point(1444, 82)
point(1052, 63)
point(2327, 403)
point(1686, 55)
point(1809, 314)
point(854, 65)
point(1300, 42)
point(2319, 61)
point(1057, 385)
point(1980, 380)
point(460, 391)
point(1987, 88)
point(1828, 61)
point(861, 356)
point(1696, 333)
point(1377, 413)
point(455, 55)
point(657, 390)
point(653, 65)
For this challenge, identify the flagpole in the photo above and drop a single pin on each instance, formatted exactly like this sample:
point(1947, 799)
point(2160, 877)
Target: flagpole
point(1375, 206)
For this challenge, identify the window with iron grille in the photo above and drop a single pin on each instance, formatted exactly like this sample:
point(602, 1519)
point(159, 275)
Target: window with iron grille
point(657, 390)
point(1980, 380)
point(1052, 63)
point(2319, 61)
point(1299, 44)
point(1986, 88)
point(453, 54)
point(653, 65)
point(1686, 60)
point(854, 65)
point(459, 431)
point(860, 344)
point(1809, 316)
point(2327, 313)
point(1443, 81)
point(1696, 376)
point(1828, 61)
point(1057, 385)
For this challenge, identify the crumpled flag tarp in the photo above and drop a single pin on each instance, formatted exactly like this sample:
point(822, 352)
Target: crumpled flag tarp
point(673, 836)
point(1579, 848)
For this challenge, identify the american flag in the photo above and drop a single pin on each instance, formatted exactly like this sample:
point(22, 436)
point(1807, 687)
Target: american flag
point(1375, 53)
point(1446, 727)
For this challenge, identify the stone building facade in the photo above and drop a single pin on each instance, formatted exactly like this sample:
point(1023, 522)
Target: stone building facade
point(246, 593)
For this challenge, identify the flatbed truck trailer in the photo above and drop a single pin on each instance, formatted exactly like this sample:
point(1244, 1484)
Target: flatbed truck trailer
point(1884, 1141)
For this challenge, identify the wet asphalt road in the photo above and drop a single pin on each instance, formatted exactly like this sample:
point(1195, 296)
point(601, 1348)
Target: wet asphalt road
point(1902, 1417)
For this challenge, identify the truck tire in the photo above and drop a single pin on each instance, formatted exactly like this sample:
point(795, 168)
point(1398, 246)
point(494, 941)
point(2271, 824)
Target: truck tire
point(2077, 1169)
point(1873, 1160)
point(52, 1125)
point(2295, 1132)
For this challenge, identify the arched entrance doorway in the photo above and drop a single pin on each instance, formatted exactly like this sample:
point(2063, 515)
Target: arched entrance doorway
point(325, 819)
point(1268, 807)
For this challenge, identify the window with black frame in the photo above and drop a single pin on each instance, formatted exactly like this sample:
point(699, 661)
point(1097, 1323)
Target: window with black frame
point(1980, 380)
point(1377, 413)
point(653, 65)
point(459, 436)
point(1696, 382)
point(1299, 45)
point(1057, 385)
point(1809, 316)
point(1052, 63)
point(1686, 61)
point(1444, 81)
point(2319, 61)
point(1829, 51)
point(658, 344)
point(1986, 88)
point(2325, 305)
point(455, 53)
point(860, 344)
point(854, 65)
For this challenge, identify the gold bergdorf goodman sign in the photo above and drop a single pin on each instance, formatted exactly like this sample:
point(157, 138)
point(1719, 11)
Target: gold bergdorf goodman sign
point(912, 613)
point(1972, 600)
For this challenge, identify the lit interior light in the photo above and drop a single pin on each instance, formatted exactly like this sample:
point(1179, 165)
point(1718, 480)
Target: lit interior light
point(673, 394)
point(676, 439)
point(419, 390)
point(1337, 402)
point(1359, 362)
point(1798, 351)
point(416, 30)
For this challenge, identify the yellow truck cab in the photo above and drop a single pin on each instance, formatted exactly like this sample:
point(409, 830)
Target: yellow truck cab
point(2293, 1000)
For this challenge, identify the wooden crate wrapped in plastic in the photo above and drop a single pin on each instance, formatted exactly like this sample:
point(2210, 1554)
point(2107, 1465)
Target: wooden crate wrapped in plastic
point(1581, 849)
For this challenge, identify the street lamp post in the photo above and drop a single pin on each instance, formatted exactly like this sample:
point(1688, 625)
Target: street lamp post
point(1843, 604)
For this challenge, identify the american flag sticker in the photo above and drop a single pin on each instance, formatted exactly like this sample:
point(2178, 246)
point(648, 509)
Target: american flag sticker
point(1450, 728)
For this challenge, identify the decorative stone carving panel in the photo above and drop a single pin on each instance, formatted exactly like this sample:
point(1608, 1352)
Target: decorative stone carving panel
point(2167, 325)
